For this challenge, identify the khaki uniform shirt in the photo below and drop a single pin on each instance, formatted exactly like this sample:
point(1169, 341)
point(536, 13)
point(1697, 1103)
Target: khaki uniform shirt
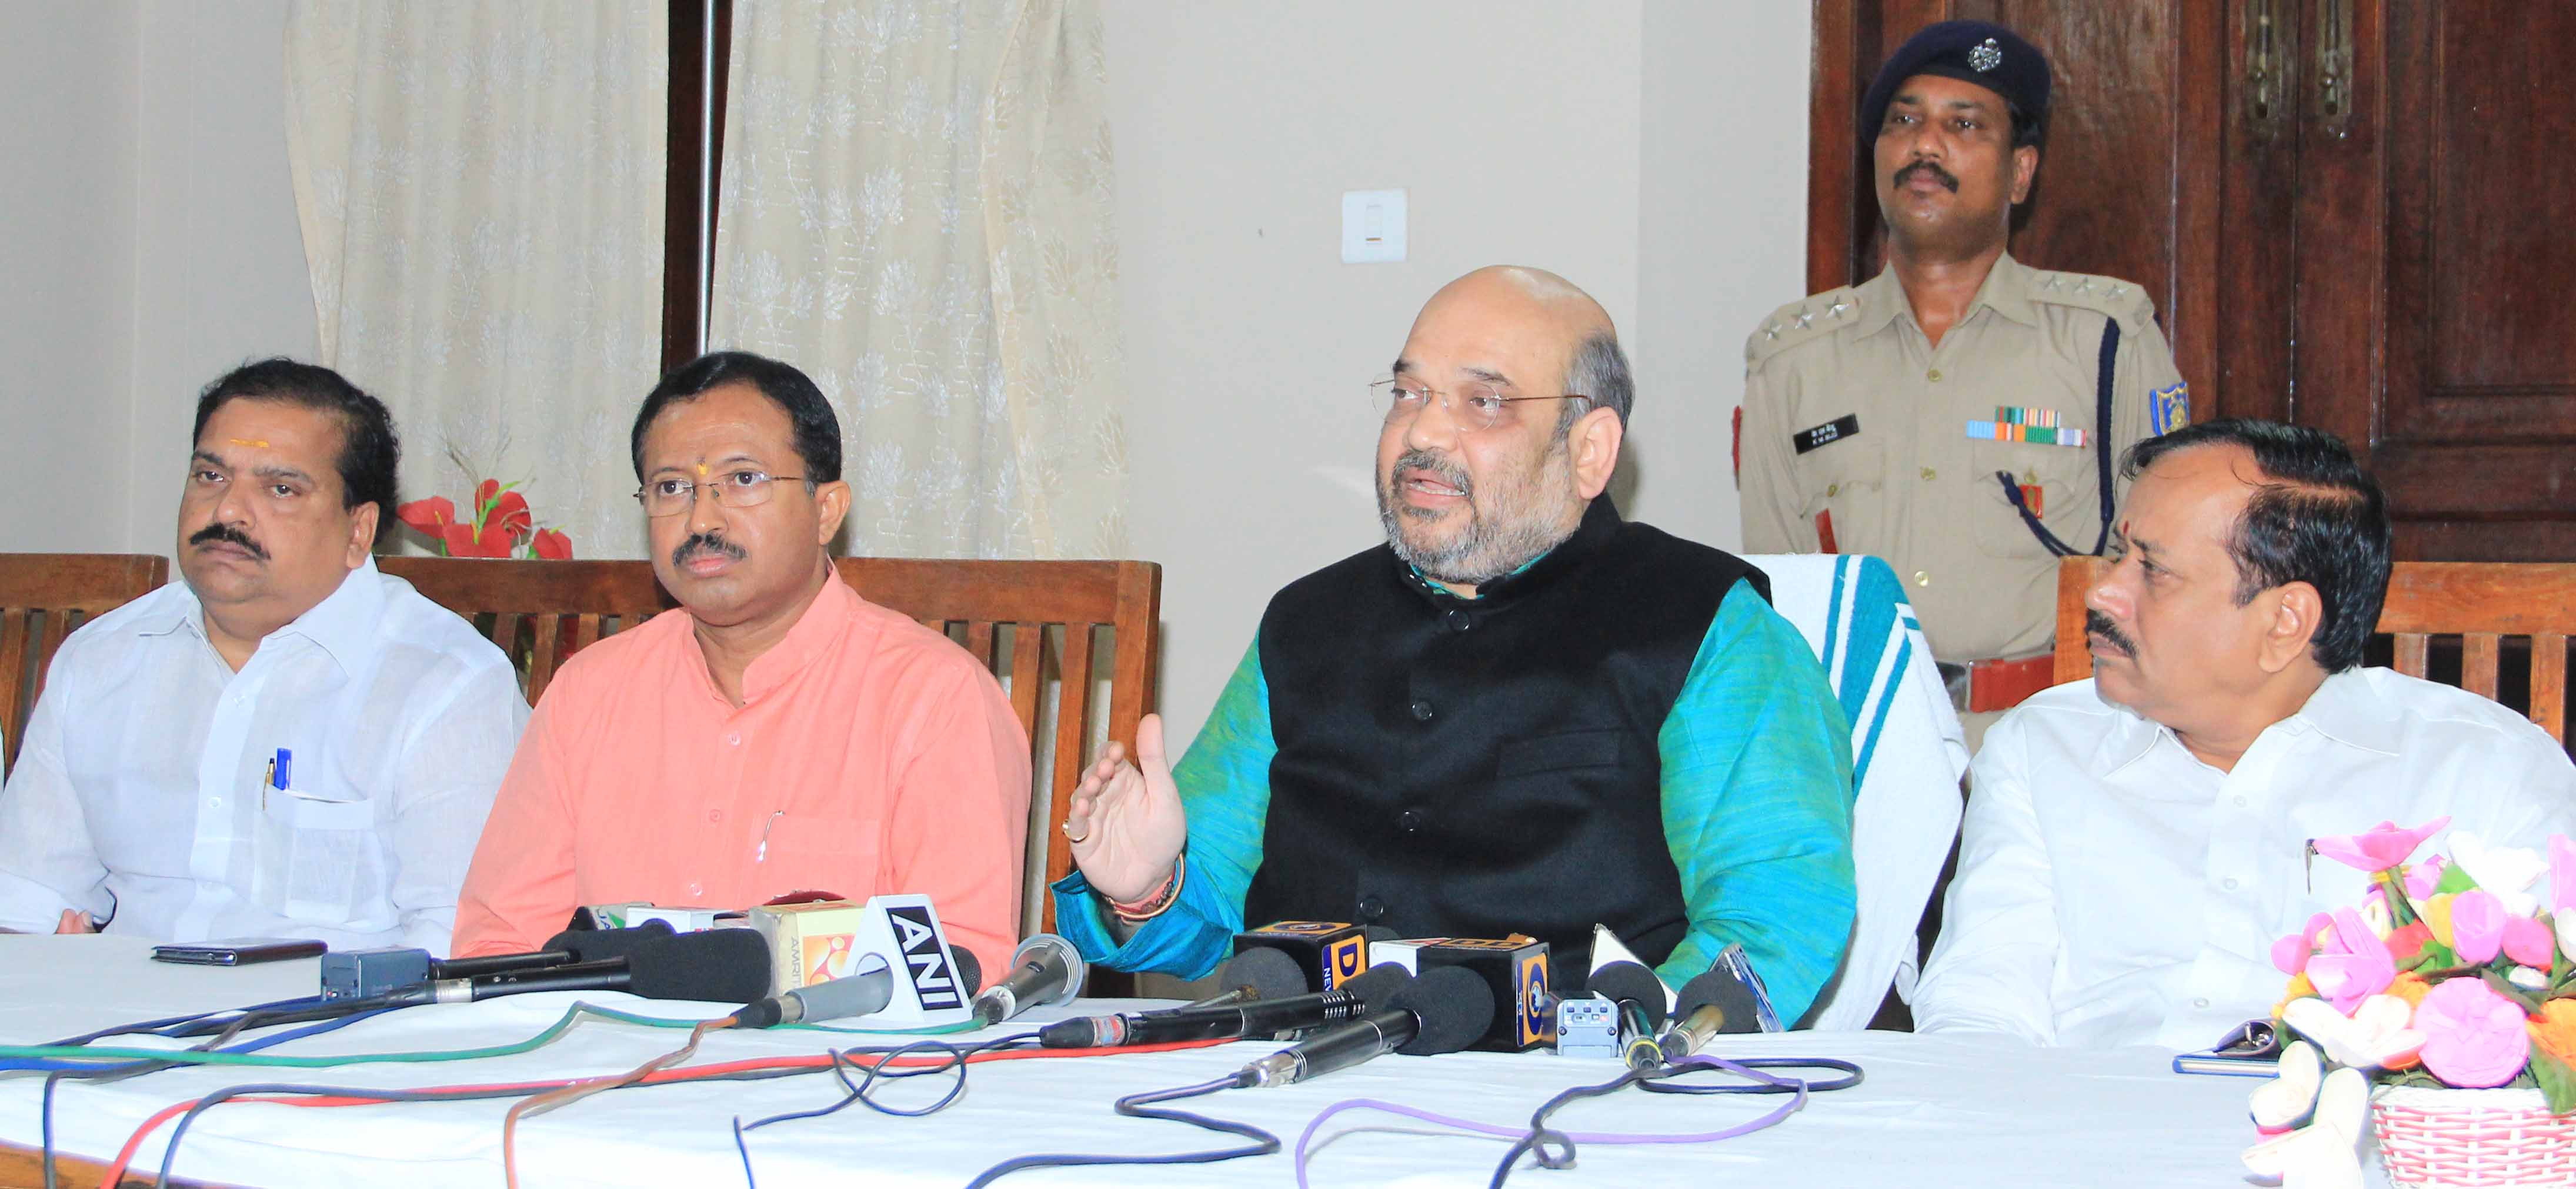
point(1904, 480)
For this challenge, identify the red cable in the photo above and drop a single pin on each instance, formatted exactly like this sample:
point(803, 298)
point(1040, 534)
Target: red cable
point(133, 1143)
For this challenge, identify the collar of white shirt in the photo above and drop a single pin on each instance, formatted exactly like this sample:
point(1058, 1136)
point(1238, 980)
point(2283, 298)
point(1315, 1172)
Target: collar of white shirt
point(2345, 708)
point(344, 625)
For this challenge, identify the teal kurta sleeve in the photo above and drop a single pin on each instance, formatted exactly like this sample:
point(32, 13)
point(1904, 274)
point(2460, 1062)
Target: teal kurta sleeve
point(1224, 780)
point(1757, 804)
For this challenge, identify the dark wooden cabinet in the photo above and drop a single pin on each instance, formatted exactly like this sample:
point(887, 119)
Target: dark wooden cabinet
point(2354, 214)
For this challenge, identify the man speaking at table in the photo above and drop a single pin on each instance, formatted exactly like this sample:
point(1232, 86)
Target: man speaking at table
point(285, 743)
point(2137, 842)
point(1520, 713)
point(776, 733)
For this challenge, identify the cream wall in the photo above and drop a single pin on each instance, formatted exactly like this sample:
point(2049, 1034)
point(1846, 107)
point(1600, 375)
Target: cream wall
point(1652, 151)
point(151, 245)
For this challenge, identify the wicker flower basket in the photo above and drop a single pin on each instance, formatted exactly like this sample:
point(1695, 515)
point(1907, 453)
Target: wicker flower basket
point(2439, 1139)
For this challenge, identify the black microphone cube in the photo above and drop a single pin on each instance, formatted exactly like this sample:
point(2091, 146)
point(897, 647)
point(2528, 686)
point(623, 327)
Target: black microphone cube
point(364, 974)
point(1329, 952)
point(1515, 968)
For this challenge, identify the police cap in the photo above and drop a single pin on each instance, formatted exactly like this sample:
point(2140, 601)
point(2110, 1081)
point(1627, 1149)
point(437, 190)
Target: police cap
point(1979, 52)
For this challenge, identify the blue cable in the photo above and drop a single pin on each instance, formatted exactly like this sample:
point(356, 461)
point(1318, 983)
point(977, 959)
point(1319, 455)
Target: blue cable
point(33, 1065)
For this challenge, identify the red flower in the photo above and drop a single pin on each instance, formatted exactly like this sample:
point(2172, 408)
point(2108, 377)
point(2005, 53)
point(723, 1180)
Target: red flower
point(431, 516)
point(2406, 941)
point(463, 541)
point(553, 546)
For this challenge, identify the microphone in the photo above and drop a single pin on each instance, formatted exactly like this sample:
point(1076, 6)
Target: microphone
point(1291, 1013)
point(970, 973)
point(563, 949)
point(716, 965)
point(1640, 999)
point(1046, 971)
point(1441, 1012)
point(1254, 975)
point(1709, 1005)
point(864, 993)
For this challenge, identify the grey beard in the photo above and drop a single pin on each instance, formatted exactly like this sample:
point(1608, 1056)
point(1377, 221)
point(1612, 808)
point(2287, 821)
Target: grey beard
point(1492, 548)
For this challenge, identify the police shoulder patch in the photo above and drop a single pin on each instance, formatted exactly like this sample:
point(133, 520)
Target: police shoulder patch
point(1798, 322)
point(2169, 409)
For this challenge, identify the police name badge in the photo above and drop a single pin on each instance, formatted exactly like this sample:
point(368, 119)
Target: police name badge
point(1830, 432)
point(2169, 409)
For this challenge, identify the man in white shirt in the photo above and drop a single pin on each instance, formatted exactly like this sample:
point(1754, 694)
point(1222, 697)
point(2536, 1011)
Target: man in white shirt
point(284, 743)
point(2136, 842)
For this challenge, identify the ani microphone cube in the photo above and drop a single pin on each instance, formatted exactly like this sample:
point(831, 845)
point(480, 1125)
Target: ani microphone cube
point(1515, 967)
point(1330, 952)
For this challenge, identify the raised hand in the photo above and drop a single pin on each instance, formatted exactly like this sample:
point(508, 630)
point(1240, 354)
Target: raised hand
point(1126, 822)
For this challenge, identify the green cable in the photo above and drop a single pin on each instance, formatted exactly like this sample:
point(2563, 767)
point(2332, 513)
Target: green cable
point(557, 1029)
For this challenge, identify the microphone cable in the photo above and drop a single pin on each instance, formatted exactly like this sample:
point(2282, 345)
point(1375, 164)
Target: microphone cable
point(1142, 1106)
point(1526, 1137)
point(871, 1073)
point(753, 1069)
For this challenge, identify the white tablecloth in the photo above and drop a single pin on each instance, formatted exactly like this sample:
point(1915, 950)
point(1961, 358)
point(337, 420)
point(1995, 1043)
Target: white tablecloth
point(1933, 1111)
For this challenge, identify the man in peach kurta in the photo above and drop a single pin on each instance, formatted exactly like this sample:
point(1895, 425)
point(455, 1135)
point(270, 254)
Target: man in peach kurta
point(777, 733)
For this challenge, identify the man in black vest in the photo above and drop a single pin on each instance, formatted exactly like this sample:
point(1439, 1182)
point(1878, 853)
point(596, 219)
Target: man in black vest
point(1520, 714)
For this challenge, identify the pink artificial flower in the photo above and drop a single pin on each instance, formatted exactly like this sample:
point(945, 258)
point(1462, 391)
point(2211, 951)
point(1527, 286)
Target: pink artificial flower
point(2291, 953)
point(2562, 872)
point(2473, 1037)
point(2354, 965)
point(2424, 877)
point(2383, 846)
point(2528, 941)
point(2477, 926)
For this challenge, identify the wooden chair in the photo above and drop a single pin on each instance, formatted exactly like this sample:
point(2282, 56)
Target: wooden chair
point(2480, 602)
point(43, 596)
point(1033, 623)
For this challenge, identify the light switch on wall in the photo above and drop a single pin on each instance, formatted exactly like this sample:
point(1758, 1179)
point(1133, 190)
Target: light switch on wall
point(1372, 226)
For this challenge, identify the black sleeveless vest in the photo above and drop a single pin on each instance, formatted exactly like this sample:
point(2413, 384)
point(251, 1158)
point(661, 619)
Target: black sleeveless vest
point(1478, 767)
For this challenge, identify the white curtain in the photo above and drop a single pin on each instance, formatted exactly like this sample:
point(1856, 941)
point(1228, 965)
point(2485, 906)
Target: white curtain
point(481, 189)
point(916, 210)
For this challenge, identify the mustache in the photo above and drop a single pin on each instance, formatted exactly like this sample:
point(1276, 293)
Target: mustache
point(229, 536)
point(1424, 460)
point(1939, 174)
point(705, 543)
point(2100, 625)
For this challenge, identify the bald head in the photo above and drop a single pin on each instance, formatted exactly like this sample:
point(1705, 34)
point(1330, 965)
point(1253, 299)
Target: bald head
point(1533, 314)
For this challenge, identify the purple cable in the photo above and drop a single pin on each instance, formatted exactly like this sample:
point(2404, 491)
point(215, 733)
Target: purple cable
point(1797, 1100)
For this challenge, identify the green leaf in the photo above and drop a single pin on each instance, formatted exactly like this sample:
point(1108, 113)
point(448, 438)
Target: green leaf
point(2502, 986)
point(2557, 1081)
point(2455, 878)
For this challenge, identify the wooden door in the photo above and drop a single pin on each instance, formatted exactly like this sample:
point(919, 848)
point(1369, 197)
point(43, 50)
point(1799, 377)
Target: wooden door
point(2354, 214)
point(2436, 231)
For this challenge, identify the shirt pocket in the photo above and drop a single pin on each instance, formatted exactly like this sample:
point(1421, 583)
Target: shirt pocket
point(2068, 479)
point(1848, 478)
point(1562, 752)
point(808, 853)
point(327, 852)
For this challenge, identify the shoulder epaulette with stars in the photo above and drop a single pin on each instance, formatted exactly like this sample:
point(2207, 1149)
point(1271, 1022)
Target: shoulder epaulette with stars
point(2111, 296)
point(1800, 321)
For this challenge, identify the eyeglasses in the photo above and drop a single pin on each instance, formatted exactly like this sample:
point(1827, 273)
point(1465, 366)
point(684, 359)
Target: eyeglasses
point(1475, 406)
point(733, 489)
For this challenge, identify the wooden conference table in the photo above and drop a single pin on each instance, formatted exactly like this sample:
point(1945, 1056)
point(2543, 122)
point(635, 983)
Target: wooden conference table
point(1932, 1111)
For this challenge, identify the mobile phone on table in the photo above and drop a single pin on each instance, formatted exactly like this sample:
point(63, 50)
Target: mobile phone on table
point(237, 951)
point(2253, 1050)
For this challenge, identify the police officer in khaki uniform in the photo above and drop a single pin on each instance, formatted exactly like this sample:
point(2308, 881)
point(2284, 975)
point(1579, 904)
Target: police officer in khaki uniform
point(1960, 413)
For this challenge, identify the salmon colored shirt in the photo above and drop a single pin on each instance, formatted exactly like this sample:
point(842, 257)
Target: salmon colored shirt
point(871, 754)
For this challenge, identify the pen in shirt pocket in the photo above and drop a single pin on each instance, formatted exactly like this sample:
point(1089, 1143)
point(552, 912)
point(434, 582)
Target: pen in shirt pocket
point(281, 776)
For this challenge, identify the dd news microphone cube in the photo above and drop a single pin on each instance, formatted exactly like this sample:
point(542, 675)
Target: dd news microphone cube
point(1330, 952)
point(1515, 968)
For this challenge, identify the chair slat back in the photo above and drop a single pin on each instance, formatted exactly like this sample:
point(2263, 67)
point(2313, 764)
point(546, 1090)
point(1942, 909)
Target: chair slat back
point(43, 596)
point(1033, 623)
point(538, 613)
point(2480, 602)
point(1054, 610)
